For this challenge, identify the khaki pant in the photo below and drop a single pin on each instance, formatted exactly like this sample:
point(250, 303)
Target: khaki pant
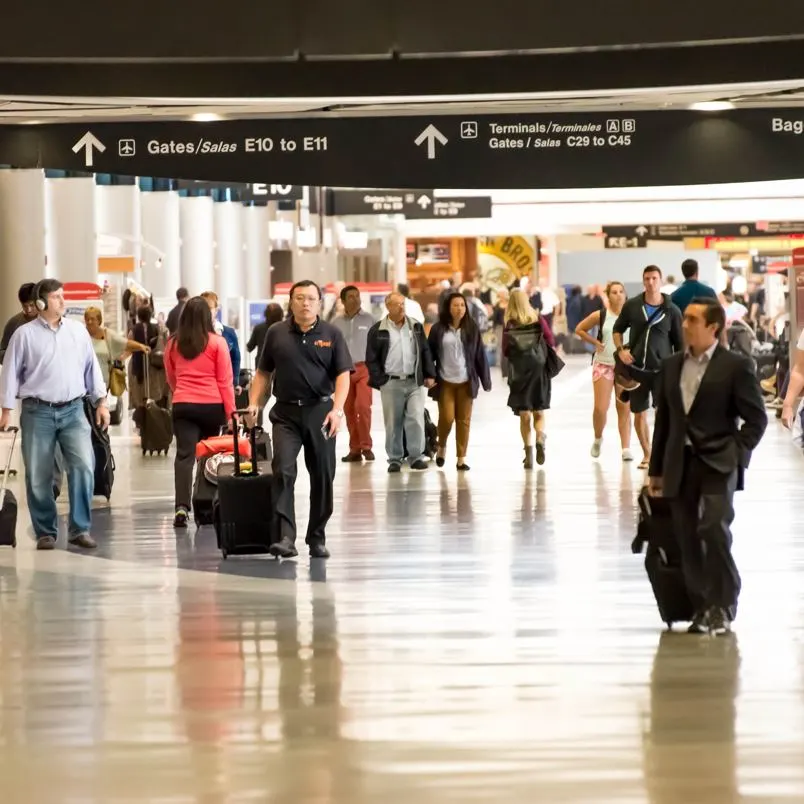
point(454, 405)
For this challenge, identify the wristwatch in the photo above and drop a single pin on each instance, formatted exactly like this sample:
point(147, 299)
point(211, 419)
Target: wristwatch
point(338, 412)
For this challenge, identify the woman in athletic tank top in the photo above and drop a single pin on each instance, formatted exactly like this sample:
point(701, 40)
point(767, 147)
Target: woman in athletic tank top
point(603, 369)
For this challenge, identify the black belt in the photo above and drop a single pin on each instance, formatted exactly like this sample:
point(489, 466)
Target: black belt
point(401, 376)
point(303, 403)
point(37, 401)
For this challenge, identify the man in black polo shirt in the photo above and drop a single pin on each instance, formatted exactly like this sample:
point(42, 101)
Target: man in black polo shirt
point(310, 363)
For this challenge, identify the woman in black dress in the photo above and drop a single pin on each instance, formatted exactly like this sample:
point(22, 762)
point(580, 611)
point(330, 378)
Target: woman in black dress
point(527, 343)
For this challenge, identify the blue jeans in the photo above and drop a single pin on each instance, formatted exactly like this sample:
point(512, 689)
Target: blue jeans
point(42, 429)
point(403, 411)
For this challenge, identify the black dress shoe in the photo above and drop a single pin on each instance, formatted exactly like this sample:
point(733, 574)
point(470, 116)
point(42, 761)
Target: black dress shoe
point(318, 550)
point(352, 457)
point(419, 466)
point(439, 462)
point(284, 549)
point(463, 467)
point(393, 468)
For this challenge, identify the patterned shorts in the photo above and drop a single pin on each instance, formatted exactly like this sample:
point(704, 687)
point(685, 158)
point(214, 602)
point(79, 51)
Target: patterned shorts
point(602, 370)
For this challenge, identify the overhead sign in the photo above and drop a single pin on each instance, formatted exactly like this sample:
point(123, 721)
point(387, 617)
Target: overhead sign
point(639, 236)
point(249, 191)
point(482, 151)
point(468, 206)
point(373, 202)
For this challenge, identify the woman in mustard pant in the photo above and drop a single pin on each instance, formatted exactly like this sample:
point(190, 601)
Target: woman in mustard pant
point(461, 368)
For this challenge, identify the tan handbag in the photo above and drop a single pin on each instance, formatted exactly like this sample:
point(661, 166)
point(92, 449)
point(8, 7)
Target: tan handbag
point(117, 379)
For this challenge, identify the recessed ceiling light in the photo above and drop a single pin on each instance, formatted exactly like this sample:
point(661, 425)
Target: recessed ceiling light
point(206, 117)
point(712, 106)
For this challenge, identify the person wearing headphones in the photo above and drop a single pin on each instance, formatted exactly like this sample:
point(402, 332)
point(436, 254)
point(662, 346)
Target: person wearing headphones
point(51, 366)
point(309, 363)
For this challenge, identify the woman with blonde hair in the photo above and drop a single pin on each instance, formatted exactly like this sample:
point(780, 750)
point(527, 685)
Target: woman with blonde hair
point(529, 345)
point(603, 364)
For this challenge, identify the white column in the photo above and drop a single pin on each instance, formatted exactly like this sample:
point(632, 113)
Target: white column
point(161, 251)
point(22, 234)
point(118, 215)
point(399, 254)
point(257, 256)
point(72, 247)
point(228, 250)
point(197, 244)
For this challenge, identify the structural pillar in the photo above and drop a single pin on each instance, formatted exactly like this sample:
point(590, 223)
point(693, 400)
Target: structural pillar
point(161, 247)
point(197, 243)
point(228, 251)
point(71, 240)
point(257, 255)
point(398, 275)
point(118, 216)
point(22, 234)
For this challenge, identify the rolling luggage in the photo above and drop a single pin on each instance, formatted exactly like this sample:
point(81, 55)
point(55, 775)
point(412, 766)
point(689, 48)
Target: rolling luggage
point(156, 423)
point(102, 449)
point(8, 502)
point(243, 511)
point(662, 559)
point(205, 485)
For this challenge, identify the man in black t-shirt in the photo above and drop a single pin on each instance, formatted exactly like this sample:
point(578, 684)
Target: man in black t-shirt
point(309, 363)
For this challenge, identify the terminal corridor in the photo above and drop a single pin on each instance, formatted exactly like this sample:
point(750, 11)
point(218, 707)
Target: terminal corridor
point(476, 636)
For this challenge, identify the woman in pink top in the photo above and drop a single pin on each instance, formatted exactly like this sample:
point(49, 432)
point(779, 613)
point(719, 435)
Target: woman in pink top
point(199, 372)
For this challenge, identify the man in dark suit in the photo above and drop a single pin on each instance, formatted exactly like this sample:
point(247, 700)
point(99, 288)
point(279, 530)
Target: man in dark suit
point(700, 451)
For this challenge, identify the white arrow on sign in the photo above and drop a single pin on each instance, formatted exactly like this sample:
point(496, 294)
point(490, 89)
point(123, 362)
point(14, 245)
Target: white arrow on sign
point(430, 135)
point(89, 142)
point(423, 201)
point(641, 231)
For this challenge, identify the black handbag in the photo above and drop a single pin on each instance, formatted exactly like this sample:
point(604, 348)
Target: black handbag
point(553, 363)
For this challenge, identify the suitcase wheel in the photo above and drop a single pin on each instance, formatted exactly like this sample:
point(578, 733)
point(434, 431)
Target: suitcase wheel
point(14, 543)
point(143, 453)
point(225, 553)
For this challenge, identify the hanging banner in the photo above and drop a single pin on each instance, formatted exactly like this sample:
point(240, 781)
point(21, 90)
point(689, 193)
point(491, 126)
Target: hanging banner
point(503, 260)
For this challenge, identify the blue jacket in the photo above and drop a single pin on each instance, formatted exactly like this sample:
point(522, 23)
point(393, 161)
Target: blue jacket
point(230, 336)
point(690, 289)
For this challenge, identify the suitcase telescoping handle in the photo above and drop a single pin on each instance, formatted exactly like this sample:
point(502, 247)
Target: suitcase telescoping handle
point(4, 486)
point(252, 438)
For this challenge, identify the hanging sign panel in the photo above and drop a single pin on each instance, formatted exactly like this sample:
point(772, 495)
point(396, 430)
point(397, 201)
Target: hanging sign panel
point(478, 152)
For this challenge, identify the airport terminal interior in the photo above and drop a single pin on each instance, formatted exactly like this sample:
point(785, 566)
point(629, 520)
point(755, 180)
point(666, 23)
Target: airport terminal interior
point(480, 633)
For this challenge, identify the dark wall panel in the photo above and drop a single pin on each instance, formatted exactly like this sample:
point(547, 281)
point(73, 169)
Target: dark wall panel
point(450, 26)
point(362, 28)
point(155, 29)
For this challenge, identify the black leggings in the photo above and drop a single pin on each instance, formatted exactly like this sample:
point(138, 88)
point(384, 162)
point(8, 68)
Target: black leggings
point(192, 423)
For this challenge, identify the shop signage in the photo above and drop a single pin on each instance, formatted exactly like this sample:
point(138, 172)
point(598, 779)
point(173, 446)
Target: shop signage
point(376, 202)
point(515, 252)
point(468, 206)
point(639, 235)
point(476, 151)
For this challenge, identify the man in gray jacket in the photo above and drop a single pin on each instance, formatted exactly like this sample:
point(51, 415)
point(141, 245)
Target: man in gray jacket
point(399, 364)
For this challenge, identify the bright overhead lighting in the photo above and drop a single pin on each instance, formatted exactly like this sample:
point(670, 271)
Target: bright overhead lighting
point(206, 117)
point(712, 106)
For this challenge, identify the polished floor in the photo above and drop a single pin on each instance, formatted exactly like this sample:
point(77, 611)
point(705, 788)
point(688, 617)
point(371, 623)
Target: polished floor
point(476, 637)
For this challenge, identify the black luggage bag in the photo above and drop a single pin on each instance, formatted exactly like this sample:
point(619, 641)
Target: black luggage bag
point(662, 559)
point(243, 511)
point(8, 502)
point(155, 422)
point(204, 494)
point(102, 449)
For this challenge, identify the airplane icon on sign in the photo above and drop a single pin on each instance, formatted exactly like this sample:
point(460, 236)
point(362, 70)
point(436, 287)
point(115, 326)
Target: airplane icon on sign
point(127, 148)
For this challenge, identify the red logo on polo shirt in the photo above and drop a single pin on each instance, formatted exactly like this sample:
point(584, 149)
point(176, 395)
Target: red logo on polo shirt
point(322, 344)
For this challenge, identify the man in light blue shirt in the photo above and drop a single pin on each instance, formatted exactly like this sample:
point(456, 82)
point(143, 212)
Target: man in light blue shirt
point(51, 366)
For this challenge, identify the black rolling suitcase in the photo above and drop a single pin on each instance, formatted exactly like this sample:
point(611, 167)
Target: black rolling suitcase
point(243, 510)
point(204, 493)
point(8, 502)
point(102, 449)
point(662, 559)
point(156, 423)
